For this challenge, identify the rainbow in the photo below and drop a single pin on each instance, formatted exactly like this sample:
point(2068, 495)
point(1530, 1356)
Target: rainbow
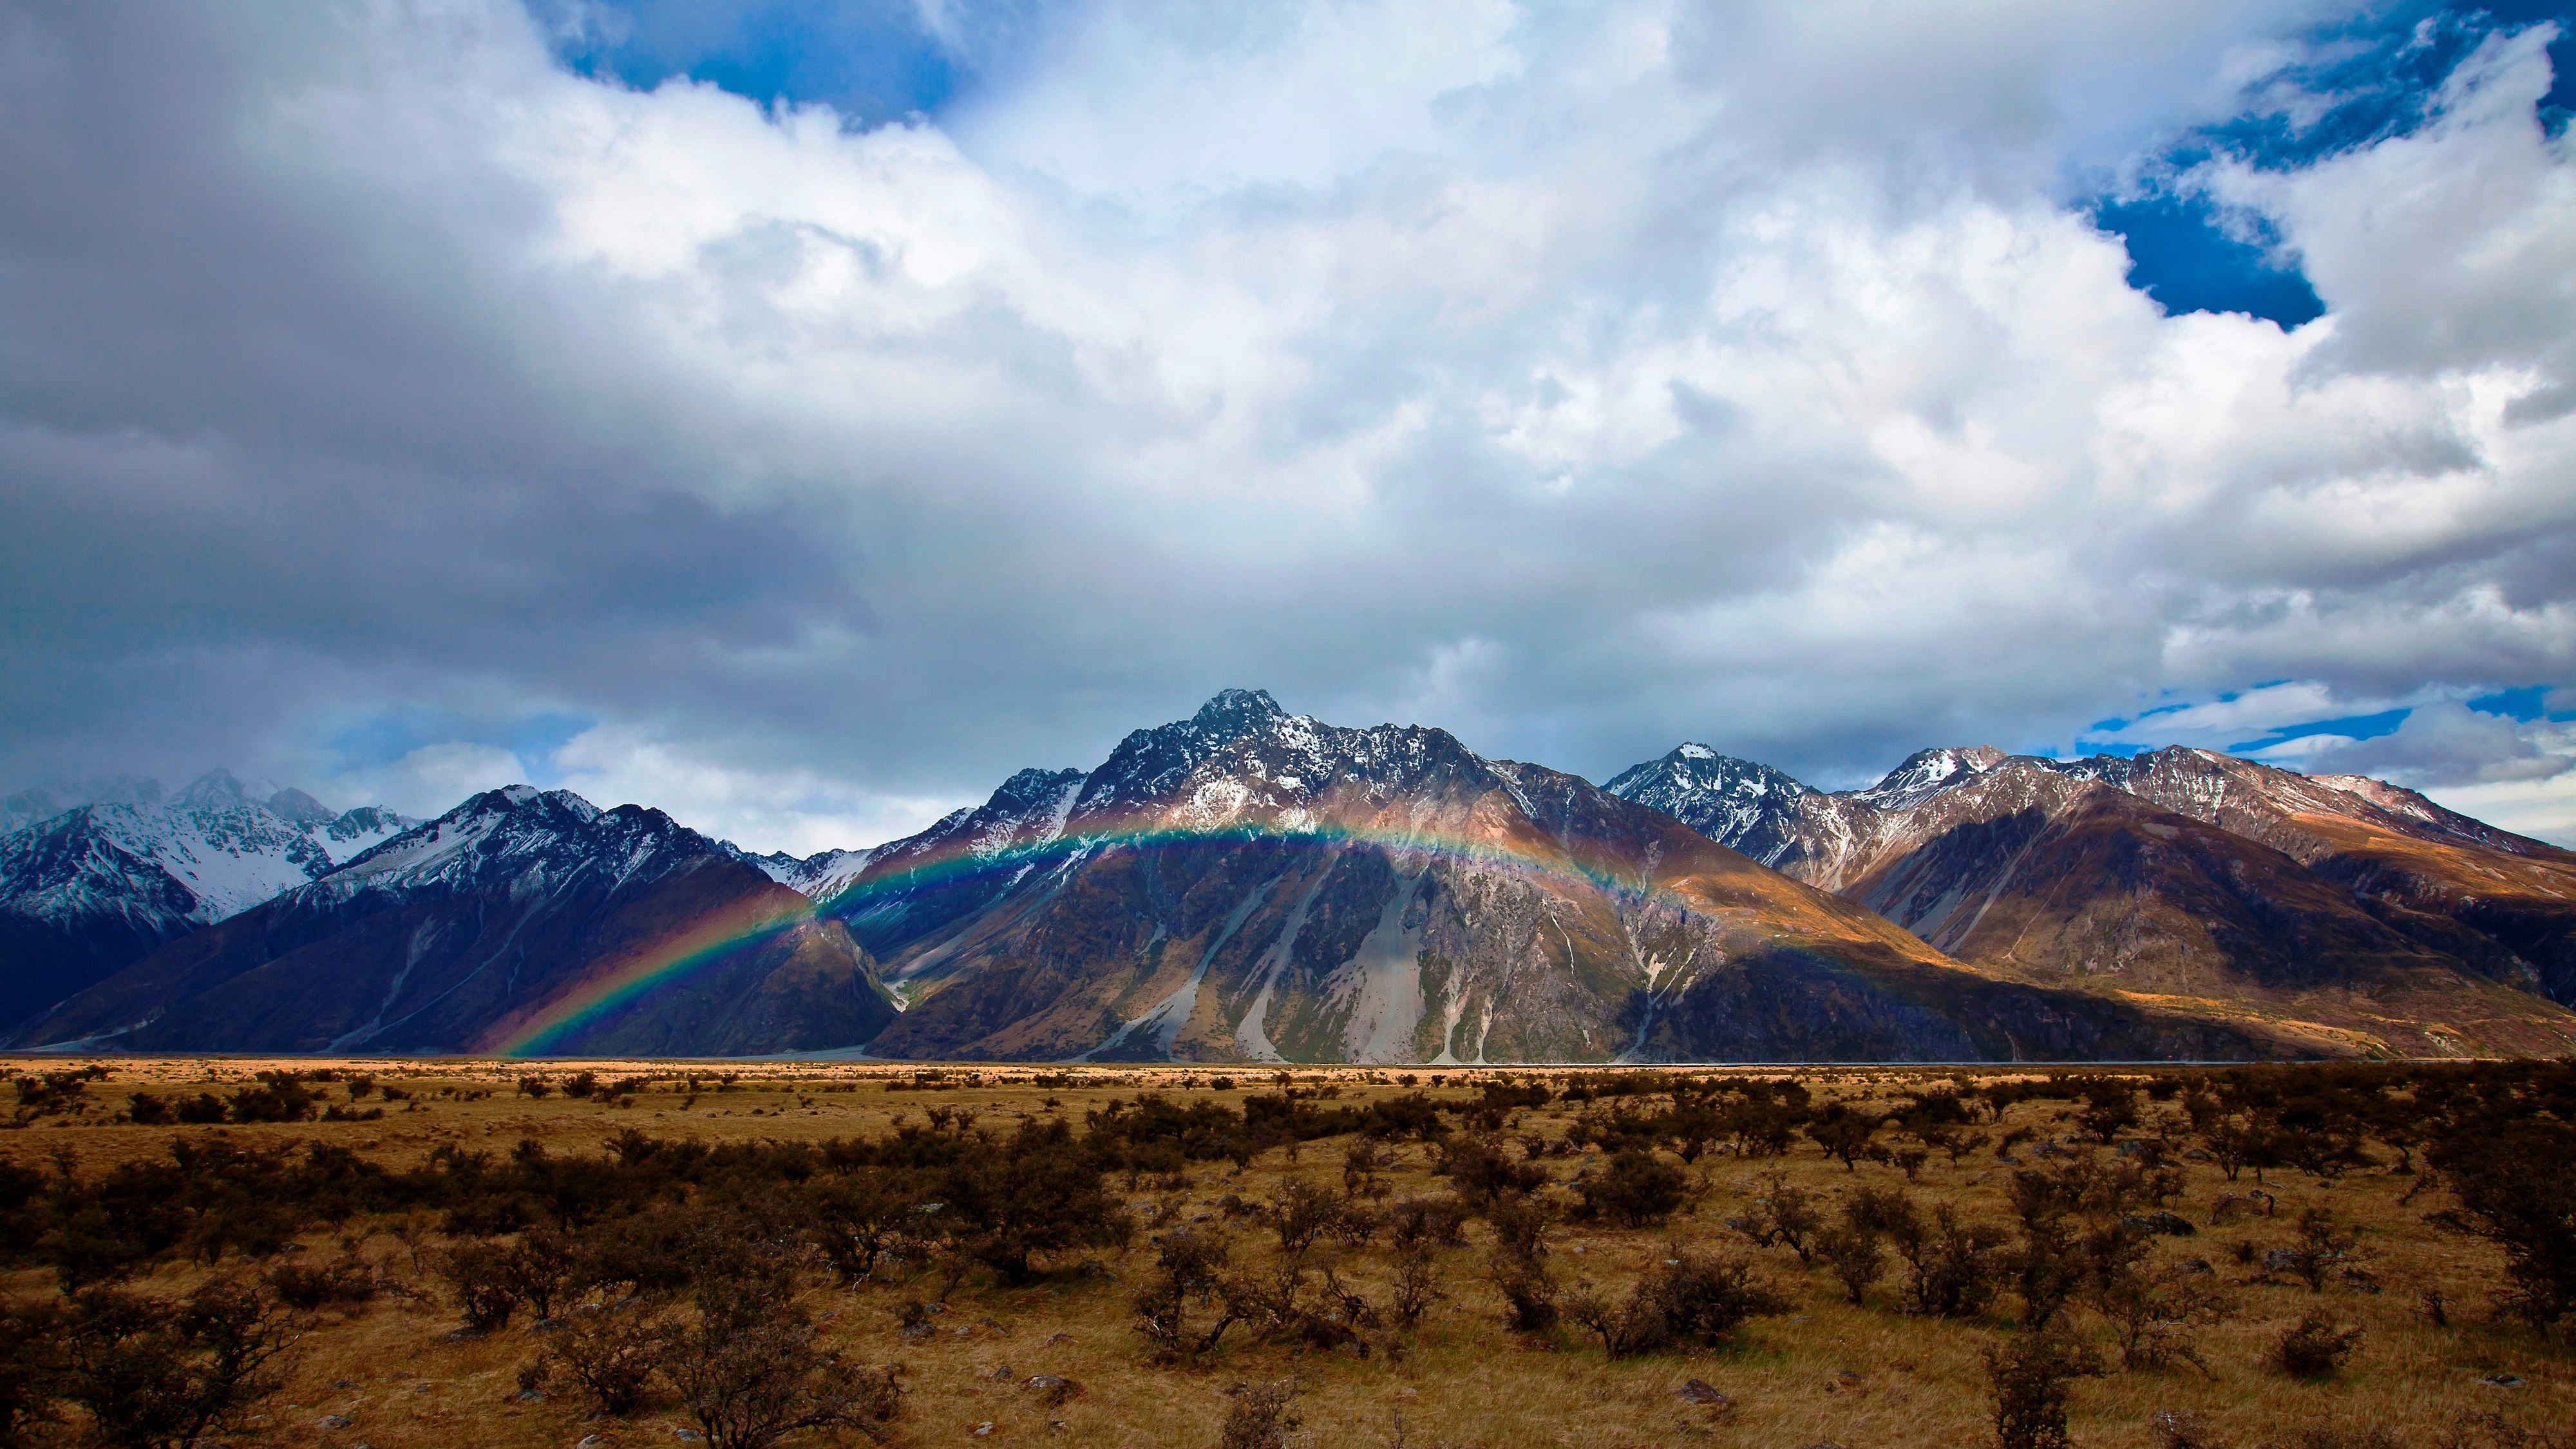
point(554, 1025)
point(638, 972)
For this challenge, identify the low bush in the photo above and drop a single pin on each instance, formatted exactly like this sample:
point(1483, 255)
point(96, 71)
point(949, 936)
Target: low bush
point(2315, 1346)
point(1189, 1268)
point(1262, 1416)
point(1783, 1215)
point(614, 1352)
point(1688, 1300)
point(493, 1280)
point(1518, 1266)
point(1635, 1190)
point(751, 1372)
point(345, 1284)
point(165, 1374)
point(2028, 1380)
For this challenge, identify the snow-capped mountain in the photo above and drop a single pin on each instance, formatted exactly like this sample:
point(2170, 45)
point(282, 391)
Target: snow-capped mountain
point(1248, 884)
point(1927, 773)
point(2189, 874)
point(94, 885)
point(1745, 806)
point(1029, 810)
point(484, 928)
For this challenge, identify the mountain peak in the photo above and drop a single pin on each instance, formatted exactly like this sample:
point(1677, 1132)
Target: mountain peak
point(1235, 712)
point(217, 787)
point(301, 808)
point(1927, 773)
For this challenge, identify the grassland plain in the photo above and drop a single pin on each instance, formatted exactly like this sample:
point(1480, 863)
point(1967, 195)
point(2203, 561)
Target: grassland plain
point(2435, 1363)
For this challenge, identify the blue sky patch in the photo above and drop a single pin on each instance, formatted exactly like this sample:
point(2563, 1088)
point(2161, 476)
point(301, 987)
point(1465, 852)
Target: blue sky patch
point(2352, 726)
point(2527, 703)
point(2378, 74)
point(2180, 255)
point(872, 60)
point(536, 739)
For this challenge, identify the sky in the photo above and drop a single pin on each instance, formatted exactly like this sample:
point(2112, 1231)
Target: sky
point(803, 414)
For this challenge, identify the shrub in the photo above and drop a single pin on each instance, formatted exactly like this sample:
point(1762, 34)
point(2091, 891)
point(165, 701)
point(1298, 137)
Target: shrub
point(1485, 1173)
point(1686, 1300)
point(278, 1097)
point(2319, 1247)
point(751, 1372)
point(2516, 1185)
point(158, 1374)
point(1854, 1255)
point(1952, 1265)
point(199, 1110)
point(342, 1285)
point(30, 1367)
point(1636, 1189)
point(2154, 1315)
point(1438, 1222)
point(493, 1280)
point(1417, 1285)
point(145, 1110)
point(1845, 1133)
point(1301, 1213)
point(1519, 1267)
point(2046, 1267)
point(1287, 1304)
point(1261, 1417)
point(1039, 1193)
point(1360, 1164)
point(2028, 1379)
point(2110, 1108)
point(613, 1353)
point(1189, 1267)
point(1783, 1216)
point(859, 1217)
point(2315, 1346)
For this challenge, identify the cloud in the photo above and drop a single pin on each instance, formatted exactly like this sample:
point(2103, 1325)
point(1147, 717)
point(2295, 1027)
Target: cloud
point(2544, 809)
point(427, 781)
point(792, 810)
point(2220, 723)
point(2449, 744)
point(1598, 380)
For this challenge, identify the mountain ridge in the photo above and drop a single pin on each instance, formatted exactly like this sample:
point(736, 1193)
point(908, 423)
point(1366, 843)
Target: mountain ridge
point(521, 916)
point(2369, 911)
point(1247, 884)
point(98, 883)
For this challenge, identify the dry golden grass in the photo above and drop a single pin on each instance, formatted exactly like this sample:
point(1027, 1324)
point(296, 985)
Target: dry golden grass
point(1863, 1378)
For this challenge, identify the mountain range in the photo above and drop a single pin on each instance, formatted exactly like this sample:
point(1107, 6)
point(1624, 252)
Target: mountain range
point(94, 878)
point(2334, 909)
point(1252, 885)
point(521, 920)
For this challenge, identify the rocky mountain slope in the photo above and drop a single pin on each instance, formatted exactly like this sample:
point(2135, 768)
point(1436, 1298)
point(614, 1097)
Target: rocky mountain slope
point(2341, 909)
point(92, 880)
point(519, 921)
point(1248, 885)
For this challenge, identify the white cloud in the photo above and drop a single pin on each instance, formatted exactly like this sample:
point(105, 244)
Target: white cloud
point(2446, 743)
point(429, 781)
point(1596, 379)
point(795, 811)
point(2218, 723)
point(2543, 809)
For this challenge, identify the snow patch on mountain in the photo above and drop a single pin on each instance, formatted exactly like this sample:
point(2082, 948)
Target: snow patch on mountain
point(213, 850)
